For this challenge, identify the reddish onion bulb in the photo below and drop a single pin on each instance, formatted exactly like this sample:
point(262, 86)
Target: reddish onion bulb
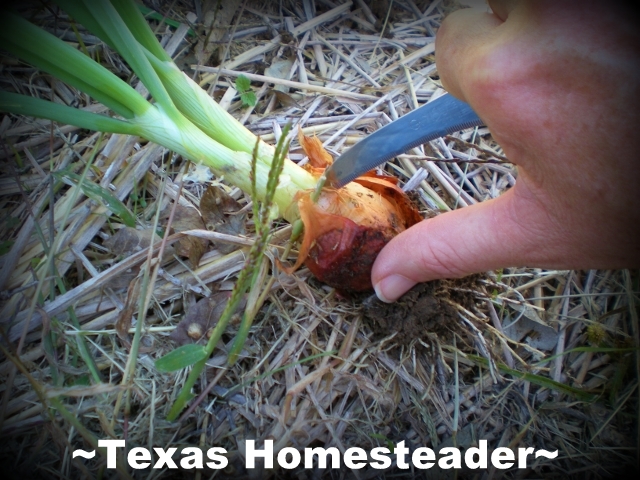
point(346, 228)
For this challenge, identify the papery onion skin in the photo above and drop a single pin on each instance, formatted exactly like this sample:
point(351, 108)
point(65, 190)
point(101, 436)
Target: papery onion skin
point(346, 228)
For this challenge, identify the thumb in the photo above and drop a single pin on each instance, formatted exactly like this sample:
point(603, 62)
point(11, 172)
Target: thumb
point(486, 236)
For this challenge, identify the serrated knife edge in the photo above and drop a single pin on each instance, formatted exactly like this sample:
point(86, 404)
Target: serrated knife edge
point(438, 118)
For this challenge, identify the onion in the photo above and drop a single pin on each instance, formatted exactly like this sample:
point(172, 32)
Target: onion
point(347, 227)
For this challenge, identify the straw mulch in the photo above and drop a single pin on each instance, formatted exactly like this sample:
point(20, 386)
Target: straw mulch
point(450, 364)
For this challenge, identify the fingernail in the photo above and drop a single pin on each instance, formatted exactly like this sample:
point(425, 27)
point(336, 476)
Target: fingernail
point(390, 288)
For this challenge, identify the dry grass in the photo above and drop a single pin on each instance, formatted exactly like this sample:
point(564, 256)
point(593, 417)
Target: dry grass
point(316, 371)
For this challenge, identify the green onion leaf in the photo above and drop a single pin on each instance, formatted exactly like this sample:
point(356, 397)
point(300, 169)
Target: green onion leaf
point(51, 54)
point(36, 107)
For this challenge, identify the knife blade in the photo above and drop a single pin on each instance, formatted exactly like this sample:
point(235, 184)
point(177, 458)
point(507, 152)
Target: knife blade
point(438, 118)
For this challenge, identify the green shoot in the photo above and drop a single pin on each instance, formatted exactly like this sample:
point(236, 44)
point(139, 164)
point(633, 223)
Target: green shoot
point(181, 357)
point(99, 194)
point(247, 278)
point(539, 380)
point(247, 96)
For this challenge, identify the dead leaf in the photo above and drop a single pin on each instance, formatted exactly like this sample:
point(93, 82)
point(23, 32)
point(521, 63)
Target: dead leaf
point(535, 333)
point(186, 218)
point(220, 213)
point(122, 280)
point(128, 240)
point(198, 173)
point(286, 100)
point(201, 318)
point(216, 204)
point(279, 68)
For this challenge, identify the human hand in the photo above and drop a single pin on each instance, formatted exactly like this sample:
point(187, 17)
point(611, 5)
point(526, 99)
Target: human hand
point(558, 85)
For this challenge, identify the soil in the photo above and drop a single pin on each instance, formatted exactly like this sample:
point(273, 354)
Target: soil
point(426, 308)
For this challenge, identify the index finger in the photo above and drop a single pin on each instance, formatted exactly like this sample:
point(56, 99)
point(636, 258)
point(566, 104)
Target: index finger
point(502, 8)
point(461, 42)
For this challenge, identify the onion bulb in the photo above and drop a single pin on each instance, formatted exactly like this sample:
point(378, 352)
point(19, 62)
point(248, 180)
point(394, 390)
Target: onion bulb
point(347, 227)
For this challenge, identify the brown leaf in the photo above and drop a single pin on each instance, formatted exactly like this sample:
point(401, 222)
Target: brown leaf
point(286, 100)
point(219, 211)
point(128, 240)
point(201, 318)
point(216, 204)
point(186, 218)
point(122, 280)
point(279, 68)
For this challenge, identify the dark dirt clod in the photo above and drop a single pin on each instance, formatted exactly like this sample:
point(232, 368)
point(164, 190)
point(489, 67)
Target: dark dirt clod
point(426, 308)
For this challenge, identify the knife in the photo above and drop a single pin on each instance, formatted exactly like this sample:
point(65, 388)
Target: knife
point(438, 118)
